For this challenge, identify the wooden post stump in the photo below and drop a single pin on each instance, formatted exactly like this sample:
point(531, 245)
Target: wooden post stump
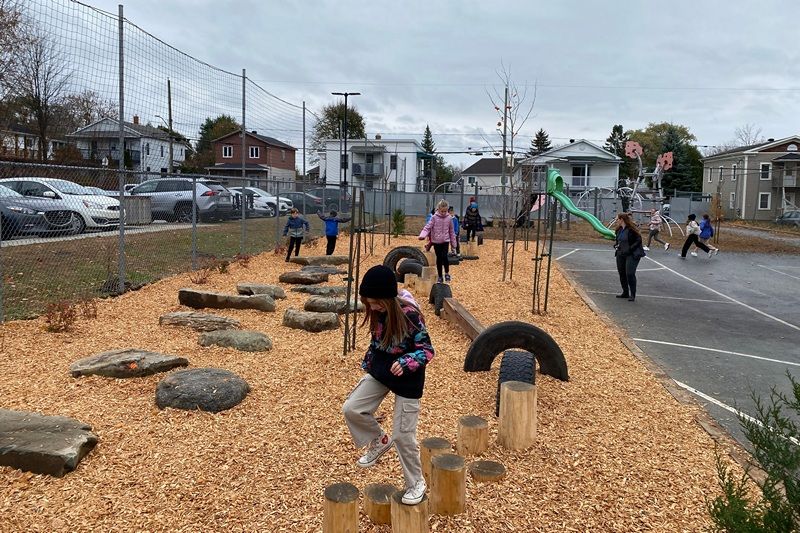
point(517, 423)
point(487, 471)
point(411, 281)
point(449, 485)
point(473, 435)
point(470, 249)
point(341, 509)
point(430, 256)
point(378, 502)
point(430, 448)
point(409, 518)
point(429, 273)
point(423, 288)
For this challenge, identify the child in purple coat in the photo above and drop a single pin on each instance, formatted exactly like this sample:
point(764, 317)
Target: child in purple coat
point(443, 236)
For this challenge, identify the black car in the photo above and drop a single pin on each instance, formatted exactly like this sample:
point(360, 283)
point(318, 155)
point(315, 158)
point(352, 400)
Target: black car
point(24, 215)
point(313, 203)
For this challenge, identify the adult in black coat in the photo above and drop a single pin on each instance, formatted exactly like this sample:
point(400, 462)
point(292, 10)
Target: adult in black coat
point(628, 252)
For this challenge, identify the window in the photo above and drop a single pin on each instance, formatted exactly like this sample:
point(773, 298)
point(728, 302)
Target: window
point(283, 155)
point(791, 148)
point(580, 176)
point(764, 200)
point(255, 152)
point(146, 148)
point(472, 180)
point(163, 170)
point(720, 173)
point(162, 150)
point(227, 151)
point(146, 187)
point(733, 172)
point(392, 162)
point(732, 201)
point(710, 174)
point(766, 171)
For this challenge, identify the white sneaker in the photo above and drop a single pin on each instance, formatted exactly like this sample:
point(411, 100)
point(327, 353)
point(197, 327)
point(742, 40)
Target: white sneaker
point(376, 448)
point(709, 254)
point(646, 249)
point(715, 250)
point(693, 254)
point(415, 494)
point(666, 247)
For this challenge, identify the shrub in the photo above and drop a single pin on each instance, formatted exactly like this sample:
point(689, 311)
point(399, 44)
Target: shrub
point(60, 316)
point(88, 309)
point(398, 222)
point(243, 259)
point(222, 266)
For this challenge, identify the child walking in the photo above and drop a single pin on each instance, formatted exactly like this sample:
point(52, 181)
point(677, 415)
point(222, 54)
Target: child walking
point(399, 350)
point(692, 237)
point(295, 228)
point(472, 219)
point(442, 235)
point(456, 228)
point(332, 222)
point(706, 232)
point(655, 228)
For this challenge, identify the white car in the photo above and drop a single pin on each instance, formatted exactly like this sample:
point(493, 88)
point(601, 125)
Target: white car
point(94, 211)
point(260, 207)
point(270, 199)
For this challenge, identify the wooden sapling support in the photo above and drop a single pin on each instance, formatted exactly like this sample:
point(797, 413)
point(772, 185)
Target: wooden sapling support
point(430, 448)
point(409, 518)
point(473, 435)
point(517, 422)
point(340, 513)
point(457, 314)
point(448, 485)
point(378, 502)
point(483, 471)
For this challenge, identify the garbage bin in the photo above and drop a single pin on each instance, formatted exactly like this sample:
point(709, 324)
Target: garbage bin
point(137, 211)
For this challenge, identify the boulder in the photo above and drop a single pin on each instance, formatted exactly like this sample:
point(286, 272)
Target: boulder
point(207, 389)
point(41, 444)
point(324, 291)
point(245, 341)
point(324, 304)
point(275, 291)
point(298, 277)
point(327, 269)
point(126, 363)
point(216, 300)
point(198, 321)
point(309, 321)
point(321, 260)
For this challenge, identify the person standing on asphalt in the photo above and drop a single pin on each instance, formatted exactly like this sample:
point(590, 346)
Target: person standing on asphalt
point(628, 253)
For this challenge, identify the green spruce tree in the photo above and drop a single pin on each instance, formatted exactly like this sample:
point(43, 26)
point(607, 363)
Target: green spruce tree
point(540, 143)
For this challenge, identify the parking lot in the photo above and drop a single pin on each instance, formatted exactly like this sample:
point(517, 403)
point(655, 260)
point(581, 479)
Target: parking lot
point(720, 327)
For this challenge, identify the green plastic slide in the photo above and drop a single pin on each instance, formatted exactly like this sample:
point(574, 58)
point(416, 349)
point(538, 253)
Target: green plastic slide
point(555, 188)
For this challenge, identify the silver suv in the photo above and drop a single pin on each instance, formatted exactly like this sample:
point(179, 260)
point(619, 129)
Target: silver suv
point(171, 199)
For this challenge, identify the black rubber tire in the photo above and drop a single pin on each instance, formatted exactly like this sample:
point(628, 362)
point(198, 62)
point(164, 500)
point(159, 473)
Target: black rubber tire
point(183, 213)
point(515, 366)
point(480, 240)
point(453, 260)
point(439, 292)
point(469, 257)
point(7, 230)
point(513, 334)
point(408, 266)
point(79, 224)
point(464, 238)
point(404, 252)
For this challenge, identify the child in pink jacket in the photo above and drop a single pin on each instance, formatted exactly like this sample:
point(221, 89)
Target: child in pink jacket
point(442, 235)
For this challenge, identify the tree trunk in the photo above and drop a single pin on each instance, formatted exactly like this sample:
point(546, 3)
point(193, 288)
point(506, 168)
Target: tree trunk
point(448, 485)
point(517, 423)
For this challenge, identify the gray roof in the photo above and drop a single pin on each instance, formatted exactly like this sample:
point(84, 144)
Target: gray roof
point(486, 165)
point(263, 138)
point(739, 149)
point(109, 127)
point(788, 157)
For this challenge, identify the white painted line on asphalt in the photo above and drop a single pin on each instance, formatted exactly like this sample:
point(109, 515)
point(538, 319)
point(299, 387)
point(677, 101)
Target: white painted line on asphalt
point(667, 297)
point(609, 269)
point(607, 250)
point(702, 348)
point(759, 311)
point(566, 254)
point(726, 407)
point(779, 272)
point(785, 266)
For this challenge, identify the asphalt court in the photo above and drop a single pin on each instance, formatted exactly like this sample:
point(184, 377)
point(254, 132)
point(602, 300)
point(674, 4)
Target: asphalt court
point(720, 327)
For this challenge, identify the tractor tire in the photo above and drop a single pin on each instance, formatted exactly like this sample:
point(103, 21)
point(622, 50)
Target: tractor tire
point(515, 366)
point(439, 292)
point(408, 266)
point(513, 334)
point(404, 252)
point(453, 259)
point(469, 257)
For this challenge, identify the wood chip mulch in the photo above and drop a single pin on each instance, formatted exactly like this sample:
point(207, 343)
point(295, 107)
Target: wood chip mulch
point(615, 452)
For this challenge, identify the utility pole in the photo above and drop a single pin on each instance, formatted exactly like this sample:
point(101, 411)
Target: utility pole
point(304, 158)
point(345, 161)
point(169, 118)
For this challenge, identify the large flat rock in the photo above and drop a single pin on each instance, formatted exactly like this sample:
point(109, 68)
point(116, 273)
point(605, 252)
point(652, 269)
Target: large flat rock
point(216, 300)
point(321, 260)
point(242, 340)
point(52, 445)
point(324, 290)
point(324, 304)
point(299, 277)
point(327, 269)
point(207, 389)
point(246, 287)
point(126, 363)
point(198, 321)
point(314, 322)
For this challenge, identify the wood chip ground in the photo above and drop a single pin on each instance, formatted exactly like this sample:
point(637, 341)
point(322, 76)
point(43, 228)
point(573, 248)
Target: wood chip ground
point(615, 452)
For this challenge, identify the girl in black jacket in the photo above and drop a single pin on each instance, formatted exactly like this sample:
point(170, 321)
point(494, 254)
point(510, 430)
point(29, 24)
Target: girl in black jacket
point(628, 253)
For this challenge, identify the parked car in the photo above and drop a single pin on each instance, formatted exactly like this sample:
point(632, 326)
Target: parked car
point(330, 197)
point(92, 211)
point(312, 203)
point(789, 218)
point(21, 215)
point(254, 205)
point(270, 199)
point(171, 199)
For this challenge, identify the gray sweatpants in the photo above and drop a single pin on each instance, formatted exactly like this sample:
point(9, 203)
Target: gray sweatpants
point(359, 412)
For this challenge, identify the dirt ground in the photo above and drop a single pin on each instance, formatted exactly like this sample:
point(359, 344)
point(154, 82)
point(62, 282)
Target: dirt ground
point(614, 451)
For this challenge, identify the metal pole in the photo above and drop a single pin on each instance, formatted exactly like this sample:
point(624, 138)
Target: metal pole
point(278, 216)
point(503, 181)
point(304, 158)
point(244, 160)
point(349, 274)
point(2, 282)
point(194, 223)
point(169, 117)
point(549, 256)
point(121, 179)
point(346, 158)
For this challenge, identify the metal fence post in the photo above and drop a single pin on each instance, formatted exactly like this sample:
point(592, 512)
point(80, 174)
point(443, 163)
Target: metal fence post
point(194, 223)
point(121, 179)
point(278, 212)
point(244, 160)
point(2, 280)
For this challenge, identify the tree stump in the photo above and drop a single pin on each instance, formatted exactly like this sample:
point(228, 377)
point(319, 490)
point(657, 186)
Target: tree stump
point(471, 248)
point(473, 435)
point(429, 273)
point(341, 509)
point(378, 502)
point(448, 485)
point(487, 471)
point(430, 448)
point(411, 281)
point(423, 288)
point(409, 518)
point(517, 423)
point(430, 256)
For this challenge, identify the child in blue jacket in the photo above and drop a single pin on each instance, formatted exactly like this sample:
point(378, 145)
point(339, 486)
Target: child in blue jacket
point(456, 228)
point(332, 229)
point(295, 228)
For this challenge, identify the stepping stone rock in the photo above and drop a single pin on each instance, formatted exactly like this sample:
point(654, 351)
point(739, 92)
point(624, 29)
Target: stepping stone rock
point(126, 363)
point(321, 260)
point(207, 389)
point(275, 291)
point(52, 445)
point(198, 321)
point(323, 304)
point(245, 341)
point(324, 291)
point(314, 322)
point(323, 268)
point(216, 300)
point(299, 277)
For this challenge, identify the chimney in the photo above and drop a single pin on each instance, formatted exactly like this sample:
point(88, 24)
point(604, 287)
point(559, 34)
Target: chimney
point(377, 136)
point(254, 132)
point(770, 140)
point(136, 119)
point(572, 141)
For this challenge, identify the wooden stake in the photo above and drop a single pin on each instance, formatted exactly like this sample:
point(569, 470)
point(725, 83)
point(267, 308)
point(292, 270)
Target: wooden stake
point(487, 471)
point(411, 281)
point(341, 509)
point(449, 485)
point(429, 273)
point(409, 518)
point(430, 448)
point(378, 502)
point(517, 422)
point(473, 435)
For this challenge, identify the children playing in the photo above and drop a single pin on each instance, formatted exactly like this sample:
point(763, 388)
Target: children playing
point(295, 228)
point(332, 222)
point(442, 235)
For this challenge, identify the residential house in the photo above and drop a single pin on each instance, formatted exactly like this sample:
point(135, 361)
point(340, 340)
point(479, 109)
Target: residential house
point(269, 163)
point(21, 141)
point(146, 147)
point(486, 173)
point(394, 164)
point(756, 182)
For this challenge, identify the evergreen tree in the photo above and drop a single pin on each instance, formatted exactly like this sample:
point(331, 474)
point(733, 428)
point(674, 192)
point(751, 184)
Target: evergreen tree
point(687, 170)
point(427, 141)
point(615, 143)
point(540, 143)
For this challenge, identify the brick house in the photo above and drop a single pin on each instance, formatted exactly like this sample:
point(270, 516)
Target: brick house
point(268, 162)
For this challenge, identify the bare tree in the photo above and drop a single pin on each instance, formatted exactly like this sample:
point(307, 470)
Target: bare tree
point(746, 135)
point(77, 110)
point(12, 34)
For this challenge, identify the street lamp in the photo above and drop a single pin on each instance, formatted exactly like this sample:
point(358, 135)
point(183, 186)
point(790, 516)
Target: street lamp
point(169, 132)
point(346, 161)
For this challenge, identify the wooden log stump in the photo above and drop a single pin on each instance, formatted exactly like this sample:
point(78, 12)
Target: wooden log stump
point(470, 249)
point(448, 485)
point(430, 448)
point(340, 509)
point(473, 435)
point(487, 471)
point(411, 281)
point(429, 273)
point(423, 288)
point(378, 502)
point(517, 422)
point(430, 256)
point(409, 518)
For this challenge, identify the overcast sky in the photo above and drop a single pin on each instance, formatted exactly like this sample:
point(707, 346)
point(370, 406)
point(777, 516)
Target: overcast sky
point(709, 65)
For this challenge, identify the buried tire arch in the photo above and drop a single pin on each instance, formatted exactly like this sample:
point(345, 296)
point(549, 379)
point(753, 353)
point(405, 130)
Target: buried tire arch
point(404, 252)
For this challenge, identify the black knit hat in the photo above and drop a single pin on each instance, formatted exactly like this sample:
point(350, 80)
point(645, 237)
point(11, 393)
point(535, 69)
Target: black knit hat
point(379, 282)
